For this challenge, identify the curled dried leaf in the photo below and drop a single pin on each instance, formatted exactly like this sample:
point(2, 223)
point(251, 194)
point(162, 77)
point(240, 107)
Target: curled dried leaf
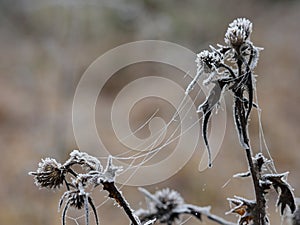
point(285, 191)
point(244, 208)
point(206, 108)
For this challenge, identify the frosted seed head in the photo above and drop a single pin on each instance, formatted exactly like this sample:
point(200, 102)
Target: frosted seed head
point(209, 61)
point(238, 32)
point(170, 199)
point(50, 174)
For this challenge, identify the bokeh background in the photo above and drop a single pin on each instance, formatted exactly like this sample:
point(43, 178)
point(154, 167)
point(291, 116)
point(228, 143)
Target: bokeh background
point(47, 45)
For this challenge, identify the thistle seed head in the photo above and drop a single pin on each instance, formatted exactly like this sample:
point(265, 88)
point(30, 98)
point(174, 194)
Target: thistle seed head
point(238, 32)
point(50, 174)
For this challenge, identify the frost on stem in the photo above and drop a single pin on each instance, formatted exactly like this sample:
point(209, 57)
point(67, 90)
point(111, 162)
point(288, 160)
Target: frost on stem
point(51, 174)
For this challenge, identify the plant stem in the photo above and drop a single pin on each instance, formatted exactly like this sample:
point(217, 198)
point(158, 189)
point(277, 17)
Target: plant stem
point(260, 214)
point(198, 212)
point(242, 120)
point(219, 220)
point(116, 194)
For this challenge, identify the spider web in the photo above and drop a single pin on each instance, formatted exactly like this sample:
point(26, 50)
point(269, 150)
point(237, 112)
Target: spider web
point(150, 150)
point(263, 146)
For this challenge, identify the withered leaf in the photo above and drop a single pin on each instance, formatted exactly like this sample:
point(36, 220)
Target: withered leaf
point(244, 208)
point(211, 101)
point(286, 196)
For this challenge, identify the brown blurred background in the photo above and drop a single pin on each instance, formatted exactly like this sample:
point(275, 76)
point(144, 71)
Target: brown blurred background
point(47, 45)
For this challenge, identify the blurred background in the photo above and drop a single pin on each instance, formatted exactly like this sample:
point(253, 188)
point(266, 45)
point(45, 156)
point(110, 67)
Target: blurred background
point(47, 45)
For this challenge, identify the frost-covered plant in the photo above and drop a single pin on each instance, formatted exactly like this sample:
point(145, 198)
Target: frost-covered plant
point(52, 175)
point(166, 206)
point(230, 68)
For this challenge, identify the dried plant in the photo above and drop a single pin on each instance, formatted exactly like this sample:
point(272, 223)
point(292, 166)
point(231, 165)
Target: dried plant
point(53, 175)
point(230, 68)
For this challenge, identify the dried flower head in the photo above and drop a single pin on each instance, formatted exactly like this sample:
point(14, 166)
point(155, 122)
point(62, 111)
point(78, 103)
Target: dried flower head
point(168, 198)
point(50, 174)
point(209, 61)
point(238, 32)
point(166, 206)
